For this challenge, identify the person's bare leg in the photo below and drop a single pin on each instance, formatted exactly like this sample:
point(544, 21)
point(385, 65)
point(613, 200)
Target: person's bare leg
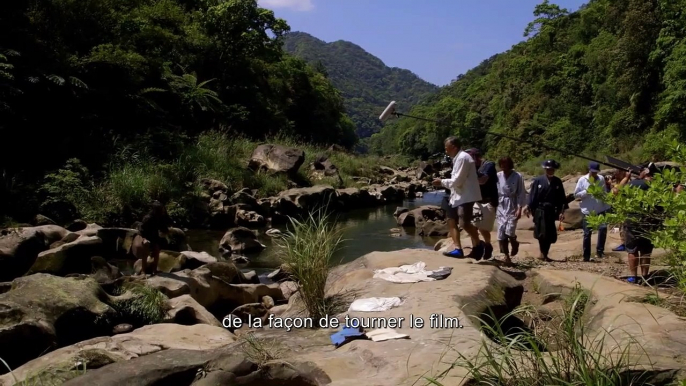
point(155, 254)
point(144, 266)
point(644, 262)
point(633, 265)
point(505, 250)
point(473, 233)
point(454, 233)
point(486, 235)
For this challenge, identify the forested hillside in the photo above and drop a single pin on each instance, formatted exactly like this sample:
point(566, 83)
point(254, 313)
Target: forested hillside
point(366, 83)
point(609, 78)
point(118, 95)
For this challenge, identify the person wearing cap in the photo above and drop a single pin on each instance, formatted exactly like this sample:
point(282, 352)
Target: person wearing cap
point(591, 205)
point(488, 182)
point(464, 192)
point(547, 202)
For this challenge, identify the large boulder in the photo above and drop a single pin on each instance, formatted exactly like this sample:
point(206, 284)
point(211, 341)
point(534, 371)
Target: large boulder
point(277, 158)
point(573, 216)
point(19, 247)
point(175, 240)
point(42, 312)
point(116, 242)
point(224, 366)
point(323, 165)
point(89, 230)
point(212, 286)
point(429, 220)
point(353, 198)
point(470, 290)
point(302, 200)
point(73, 257)
point(240, 239)
point(186, 311)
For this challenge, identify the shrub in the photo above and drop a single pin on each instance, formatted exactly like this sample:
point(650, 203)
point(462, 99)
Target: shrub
point(660, 209)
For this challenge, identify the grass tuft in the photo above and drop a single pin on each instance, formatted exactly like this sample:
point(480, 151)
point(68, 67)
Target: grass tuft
point(261, 350)
point(308, 249)
point(146, 305)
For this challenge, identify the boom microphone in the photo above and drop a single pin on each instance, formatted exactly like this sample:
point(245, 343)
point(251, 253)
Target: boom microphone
point(390, 110)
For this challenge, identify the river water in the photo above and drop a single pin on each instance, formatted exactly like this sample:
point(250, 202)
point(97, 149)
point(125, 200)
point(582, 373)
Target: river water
point(365, 231)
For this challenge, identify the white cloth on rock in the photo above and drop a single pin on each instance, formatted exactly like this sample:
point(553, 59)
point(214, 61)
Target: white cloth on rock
point(375, 304)
point(414, 273)
point(382, 334)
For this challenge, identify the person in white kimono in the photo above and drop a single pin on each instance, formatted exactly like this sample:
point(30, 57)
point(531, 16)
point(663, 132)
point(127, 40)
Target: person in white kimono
point(511, 201)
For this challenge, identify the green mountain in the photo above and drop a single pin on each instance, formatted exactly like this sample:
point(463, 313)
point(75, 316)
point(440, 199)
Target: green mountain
point(366, 83)
point(607, 79)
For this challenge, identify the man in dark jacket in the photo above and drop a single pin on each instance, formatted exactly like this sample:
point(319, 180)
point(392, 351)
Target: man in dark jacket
point(547, 203)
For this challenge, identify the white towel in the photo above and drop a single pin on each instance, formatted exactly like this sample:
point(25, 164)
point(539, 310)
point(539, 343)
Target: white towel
point(382, 334)
point(375, 304)
point(405, 273)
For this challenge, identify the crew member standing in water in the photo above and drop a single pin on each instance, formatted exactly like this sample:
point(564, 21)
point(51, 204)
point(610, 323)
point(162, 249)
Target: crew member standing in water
point(156, 222)
point(547, 202)
point(511, 200)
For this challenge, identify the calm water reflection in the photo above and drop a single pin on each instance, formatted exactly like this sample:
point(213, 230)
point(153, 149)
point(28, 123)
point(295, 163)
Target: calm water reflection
point(365, 231)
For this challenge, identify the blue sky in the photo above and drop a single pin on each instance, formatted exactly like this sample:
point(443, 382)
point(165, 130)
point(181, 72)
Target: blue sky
point(435, 39)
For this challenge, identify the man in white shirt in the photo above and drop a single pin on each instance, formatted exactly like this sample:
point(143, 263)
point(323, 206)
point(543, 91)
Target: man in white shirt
point(464, 192)
point(590, 204)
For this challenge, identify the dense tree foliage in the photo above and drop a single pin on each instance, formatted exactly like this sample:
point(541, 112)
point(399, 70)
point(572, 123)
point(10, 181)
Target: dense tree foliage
point(83, 79)
point(366, 83)
point(607, 78)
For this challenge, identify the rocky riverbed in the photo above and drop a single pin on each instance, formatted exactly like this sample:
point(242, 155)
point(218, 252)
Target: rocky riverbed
point(70, 326)
point(69, 315)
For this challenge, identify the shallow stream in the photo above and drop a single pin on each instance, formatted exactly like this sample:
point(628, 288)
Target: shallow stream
point(365, 231)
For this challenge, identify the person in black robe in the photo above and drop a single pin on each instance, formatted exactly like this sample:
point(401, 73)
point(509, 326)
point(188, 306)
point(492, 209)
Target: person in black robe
point(154, 223)
point(547, 203)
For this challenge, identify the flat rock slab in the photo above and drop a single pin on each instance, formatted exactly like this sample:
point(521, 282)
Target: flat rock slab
point(469, 288)
point(660, 333)
point(140, 342)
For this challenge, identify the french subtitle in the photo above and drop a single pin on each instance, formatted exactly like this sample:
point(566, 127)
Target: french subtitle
point(436, 321)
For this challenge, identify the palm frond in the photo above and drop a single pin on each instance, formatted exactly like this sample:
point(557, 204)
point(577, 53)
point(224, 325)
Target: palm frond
point(76, 82)
point(58, 80)
point(202, 84)
point(151, 89)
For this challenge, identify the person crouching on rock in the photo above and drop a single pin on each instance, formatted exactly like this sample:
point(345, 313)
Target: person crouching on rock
point(464, 192)
point(547, 202)
point(511, 200)
point(154, 223)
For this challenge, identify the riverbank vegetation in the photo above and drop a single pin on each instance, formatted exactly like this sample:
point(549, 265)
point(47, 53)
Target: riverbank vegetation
point(97, 120)
point(554, 349)
point(133, 177)
point(607, 79)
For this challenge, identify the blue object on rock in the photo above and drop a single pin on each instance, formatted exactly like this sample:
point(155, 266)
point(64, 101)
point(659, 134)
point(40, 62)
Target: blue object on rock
point(346, 335)
point(454, 253)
